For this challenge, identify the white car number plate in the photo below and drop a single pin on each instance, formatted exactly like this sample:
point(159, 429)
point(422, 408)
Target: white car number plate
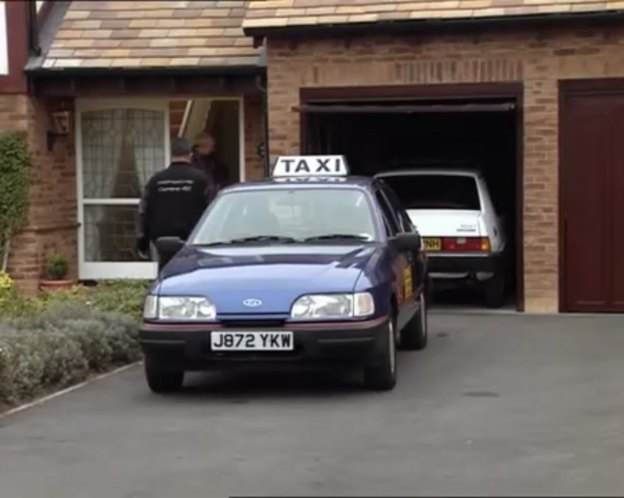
point(251, 341)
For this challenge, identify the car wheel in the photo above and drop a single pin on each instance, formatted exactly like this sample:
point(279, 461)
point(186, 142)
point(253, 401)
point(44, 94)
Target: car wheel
point(494, 291)
point(429, 290)
point(415, 335)
point(161, 381)
point(382, 376)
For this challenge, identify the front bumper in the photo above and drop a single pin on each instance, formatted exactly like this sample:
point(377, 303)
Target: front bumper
point(465, 264)
point(187, 347)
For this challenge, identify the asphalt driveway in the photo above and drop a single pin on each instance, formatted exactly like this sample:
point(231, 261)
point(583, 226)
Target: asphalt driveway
point(497, 404)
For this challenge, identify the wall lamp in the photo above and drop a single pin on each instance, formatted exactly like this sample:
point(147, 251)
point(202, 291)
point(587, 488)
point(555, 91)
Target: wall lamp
point(60, 127)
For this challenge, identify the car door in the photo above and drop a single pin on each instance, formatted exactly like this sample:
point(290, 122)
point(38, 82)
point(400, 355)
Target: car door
point(418, 258)
point(402, 263)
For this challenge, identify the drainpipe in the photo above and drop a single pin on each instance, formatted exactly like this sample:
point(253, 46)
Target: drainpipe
point(265, 123)
point(33, 35)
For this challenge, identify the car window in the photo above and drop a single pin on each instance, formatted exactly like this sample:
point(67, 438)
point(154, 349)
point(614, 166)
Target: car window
point(405, 223)
point(390, 221)
point(435, 191)
point(287, 212)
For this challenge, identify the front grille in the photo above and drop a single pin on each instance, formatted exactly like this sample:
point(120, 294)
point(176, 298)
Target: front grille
point(253, 323)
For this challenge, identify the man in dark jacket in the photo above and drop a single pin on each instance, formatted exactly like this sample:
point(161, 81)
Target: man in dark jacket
point(173, 200)
point(205, 157)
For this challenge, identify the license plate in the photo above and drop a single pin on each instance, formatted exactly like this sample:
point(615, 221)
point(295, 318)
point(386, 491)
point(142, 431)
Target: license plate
point(433, 244)
point(251, 341)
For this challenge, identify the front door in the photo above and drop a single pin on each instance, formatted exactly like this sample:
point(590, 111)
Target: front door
point(592, 201)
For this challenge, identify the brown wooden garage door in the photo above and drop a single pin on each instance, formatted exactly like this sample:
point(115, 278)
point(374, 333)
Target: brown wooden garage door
point(592, 203)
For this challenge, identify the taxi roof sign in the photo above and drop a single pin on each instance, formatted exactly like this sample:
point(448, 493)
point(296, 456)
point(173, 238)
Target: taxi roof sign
point(300, 166)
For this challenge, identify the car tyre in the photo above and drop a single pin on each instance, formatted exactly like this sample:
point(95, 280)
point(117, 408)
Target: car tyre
point(382, 376)
point(429, 289)
point(494, 291)
point(415, 334)
point(161, 381)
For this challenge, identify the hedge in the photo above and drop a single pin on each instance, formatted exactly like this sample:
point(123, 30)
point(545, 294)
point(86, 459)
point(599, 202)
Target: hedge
point(125, 297)
point(62, 338)
point(14, 185)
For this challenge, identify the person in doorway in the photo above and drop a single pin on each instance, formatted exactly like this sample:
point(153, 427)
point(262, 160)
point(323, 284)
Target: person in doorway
point(173, 200)
point(206, 158)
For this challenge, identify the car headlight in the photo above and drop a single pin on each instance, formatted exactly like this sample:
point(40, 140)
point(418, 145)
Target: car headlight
point(332, 306)
point(178, 308)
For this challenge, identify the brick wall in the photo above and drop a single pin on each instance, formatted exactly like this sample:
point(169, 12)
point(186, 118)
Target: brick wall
point(52, 212)
point(538, 58)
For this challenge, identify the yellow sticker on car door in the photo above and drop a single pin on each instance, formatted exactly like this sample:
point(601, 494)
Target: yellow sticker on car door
point(408, 286)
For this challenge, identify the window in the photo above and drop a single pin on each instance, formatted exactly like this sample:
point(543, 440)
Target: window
point(401, 217)
point(121, 144)
point(390, 221)
point(435, 191)
point(120, 148)
point(294, 213)
point(4, 41)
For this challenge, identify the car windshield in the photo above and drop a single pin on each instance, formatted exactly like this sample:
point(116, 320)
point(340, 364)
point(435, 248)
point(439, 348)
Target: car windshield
point(435, 191)
point(287, 215)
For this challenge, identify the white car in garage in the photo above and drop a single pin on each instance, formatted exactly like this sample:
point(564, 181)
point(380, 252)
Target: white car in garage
point(463, 235)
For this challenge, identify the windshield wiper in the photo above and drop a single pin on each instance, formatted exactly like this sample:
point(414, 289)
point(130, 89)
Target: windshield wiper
point(255, 238)
point(337, 236)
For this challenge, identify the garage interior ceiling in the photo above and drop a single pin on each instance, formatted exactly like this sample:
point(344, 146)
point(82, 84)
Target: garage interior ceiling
point(390, 109)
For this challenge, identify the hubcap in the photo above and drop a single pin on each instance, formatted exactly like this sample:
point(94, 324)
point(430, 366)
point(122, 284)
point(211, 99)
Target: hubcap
point(392, 351)
point(423, 315)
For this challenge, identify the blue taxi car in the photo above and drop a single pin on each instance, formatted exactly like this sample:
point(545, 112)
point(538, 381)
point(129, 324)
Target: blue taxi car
point(312, 267)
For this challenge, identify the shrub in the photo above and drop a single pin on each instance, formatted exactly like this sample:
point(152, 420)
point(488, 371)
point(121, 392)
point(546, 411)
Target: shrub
point(56, 267)
point(124, 297)
point(10, 302)
point(60, 346)
point(15, 164)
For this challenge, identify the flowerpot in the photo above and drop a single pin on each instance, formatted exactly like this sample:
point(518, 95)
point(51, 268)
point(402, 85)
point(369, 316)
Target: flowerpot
point(51, 285)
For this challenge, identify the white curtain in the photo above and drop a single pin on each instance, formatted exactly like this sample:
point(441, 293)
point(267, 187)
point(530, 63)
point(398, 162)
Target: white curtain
point(121, 150)
point(150, 154)
point(102, 140)
point(148, 129)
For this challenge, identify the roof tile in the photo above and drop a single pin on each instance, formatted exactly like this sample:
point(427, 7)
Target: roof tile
point(125, 62)
point(97, 62)
point(77, 14)
point(154, 34)
point(280, 13)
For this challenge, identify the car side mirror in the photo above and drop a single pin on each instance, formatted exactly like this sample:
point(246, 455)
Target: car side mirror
point(168, 247)
point(408, 241)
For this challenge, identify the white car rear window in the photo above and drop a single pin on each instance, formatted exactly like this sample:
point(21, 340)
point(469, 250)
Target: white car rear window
point(435, 191)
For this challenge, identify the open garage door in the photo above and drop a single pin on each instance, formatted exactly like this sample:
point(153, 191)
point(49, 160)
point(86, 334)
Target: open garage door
point(391, 132)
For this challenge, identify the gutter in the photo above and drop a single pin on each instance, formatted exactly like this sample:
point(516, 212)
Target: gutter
point(147, 71)
point(410, 25)
point(33, 35)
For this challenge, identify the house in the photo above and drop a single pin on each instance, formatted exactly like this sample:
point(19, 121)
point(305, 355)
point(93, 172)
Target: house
point(531, 90)
point(109, 84)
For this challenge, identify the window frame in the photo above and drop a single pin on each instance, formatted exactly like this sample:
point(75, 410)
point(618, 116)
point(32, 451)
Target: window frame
point(96, 270)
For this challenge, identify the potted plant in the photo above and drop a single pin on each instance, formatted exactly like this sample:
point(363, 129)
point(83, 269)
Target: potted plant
point(55, 273)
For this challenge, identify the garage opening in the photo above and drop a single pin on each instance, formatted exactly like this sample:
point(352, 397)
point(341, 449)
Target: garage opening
point(378, 135)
